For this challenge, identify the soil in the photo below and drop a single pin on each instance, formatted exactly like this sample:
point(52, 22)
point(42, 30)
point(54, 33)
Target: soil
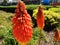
point(0, 41)
point(50, 39)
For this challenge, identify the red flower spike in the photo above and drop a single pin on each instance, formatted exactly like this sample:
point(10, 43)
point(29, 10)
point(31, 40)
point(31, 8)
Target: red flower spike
point(22, 24)
point(40, 18)
point(57, 35)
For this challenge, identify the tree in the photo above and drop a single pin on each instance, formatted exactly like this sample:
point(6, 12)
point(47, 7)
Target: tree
point(5, 1)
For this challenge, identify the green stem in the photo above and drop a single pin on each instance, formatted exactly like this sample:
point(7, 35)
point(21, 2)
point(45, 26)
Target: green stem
point(39, 39)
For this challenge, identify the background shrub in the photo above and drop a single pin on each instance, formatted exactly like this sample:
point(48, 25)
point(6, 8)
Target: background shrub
point(56, 9)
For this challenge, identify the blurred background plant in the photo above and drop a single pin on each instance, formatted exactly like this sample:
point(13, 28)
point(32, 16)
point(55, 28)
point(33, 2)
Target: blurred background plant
point(5, 2)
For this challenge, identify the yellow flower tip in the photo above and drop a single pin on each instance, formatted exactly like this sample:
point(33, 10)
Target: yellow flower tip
point(23, 44)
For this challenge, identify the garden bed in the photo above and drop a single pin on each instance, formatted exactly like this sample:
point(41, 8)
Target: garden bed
point(51, 19)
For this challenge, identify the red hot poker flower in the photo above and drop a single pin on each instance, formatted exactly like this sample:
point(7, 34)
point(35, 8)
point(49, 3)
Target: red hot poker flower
point(22, 24)
point(40, 17)
point(57, 35)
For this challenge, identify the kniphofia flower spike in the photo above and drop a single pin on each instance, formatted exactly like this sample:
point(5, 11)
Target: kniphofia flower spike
point(40, 18)
point(22, 24)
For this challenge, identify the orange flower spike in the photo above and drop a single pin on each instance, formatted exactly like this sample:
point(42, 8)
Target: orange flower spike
point(40, 18)
point(22, 24)
point(57, 35)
